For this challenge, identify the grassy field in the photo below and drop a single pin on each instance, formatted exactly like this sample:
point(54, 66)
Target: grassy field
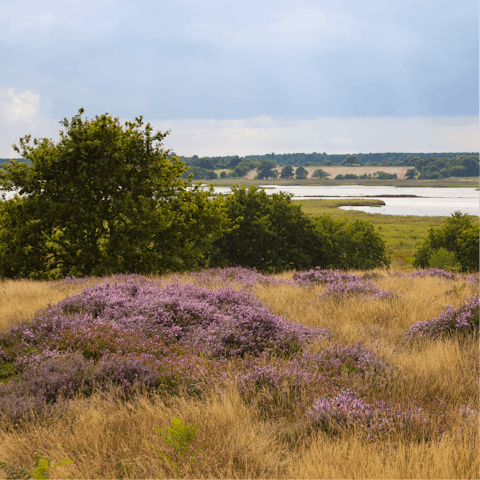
point(453, 182)
point(258, 416)
point(402, 234)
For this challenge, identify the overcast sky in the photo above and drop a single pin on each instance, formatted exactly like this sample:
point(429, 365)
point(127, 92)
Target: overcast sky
point(231, 77)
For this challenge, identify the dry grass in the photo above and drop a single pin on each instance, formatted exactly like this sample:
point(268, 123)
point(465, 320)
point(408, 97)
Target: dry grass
point(108, 438)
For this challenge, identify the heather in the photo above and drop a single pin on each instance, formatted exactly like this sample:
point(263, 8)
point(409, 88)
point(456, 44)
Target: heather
point(274, 375)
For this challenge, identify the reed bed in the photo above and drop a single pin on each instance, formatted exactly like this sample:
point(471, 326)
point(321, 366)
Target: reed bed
point(340, 390)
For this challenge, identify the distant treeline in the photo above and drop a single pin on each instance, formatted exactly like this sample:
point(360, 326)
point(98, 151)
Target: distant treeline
point(423, 165)
point(307, 159)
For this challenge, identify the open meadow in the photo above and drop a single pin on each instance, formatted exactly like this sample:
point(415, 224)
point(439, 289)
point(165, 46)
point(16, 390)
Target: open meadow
point(229, 373)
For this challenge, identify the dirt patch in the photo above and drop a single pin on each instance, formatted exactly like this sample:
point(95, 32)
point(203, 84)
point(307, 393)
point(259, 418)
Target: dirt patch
point(334, 171)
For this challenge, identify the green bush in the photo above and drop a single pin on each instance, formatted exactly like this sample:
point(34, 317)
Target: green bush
point(273, 234)
point(349, 245)
point(444, 260)
point(458, 235)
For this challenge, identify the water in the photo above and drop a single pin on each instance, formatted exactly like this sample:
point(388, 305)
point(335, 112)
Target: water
point(427, 201)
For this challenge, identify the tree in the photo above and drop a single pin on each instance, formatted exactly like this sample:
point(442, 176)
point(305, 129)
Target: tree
point(410, 173)
point(223, 174)
point(265, 169)
point(301, 173)
point(104, 199)
point(204, 163)
point(199, 173)
point(350, 160)
point(287, 172)
point(339, 177)
point(273, 234)
point(348, 245)
point(320, 174)
point(458, 235)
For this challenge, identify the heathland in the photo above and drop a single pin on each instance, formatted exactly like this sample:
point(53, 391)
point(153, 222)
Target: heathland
point(229, 373)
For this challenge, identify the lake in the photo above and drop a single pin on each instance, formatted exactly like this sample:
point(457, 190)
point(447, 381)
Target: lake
point(426, 201)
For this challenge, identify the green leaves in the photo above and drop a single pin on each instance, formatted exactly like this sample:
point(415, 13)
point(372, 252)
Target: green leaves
point(179, 438)
point(41, 468)
point(106, 198)
point(458, 235)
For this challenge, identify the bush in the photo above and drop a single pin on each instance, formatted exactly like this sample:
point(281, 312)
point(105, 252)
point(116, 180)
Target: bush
point(346, 244)
point(458, 235)
point(272, 233)
point(320, 174)
point(340, 177)
point(444, 260)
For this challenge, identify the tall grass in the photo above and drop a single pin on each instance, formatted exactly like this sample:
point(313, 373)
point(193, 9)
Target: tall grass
point(264, 433)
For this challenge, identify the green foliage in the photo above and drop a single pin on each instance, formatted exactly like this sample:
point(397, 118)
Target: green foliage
point(200, 173)
point(104, 199)
point(411, 173)
point(223, 174)
point(385, 176)
point(272, 234)
point(339, 177)
point(179, 438)
point(444, 260)
point(301, 173)
point(345, 244)
point(287, 172)
point(320, 174)
point(265, 170)
point(40, 469)
point(458, 235)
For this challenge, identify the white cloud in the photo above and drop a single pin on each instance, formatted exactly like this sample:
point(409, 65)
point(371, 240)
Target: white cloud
point(303, 19)
point(263, 134)
point(20, 114)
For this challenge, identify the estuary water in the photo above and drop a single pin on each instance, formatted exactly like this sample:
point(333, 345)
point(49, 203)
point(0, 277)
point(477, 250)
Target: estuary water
point(422, 201)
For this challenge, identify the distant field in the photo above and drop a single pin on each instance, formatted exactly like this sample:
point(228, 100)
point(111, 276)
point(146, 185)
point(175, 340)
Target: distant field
point(334, 171)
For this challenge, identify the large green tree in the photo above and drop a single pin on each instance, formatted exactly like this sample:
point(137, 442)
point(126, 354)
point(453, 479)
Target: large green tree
point(106, 198)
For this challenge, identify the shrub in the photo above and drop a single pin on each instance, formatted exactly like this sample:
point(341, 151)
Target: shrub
point(458, 235)
point(345, 244)
point(444, 260)
point(273, 234)
point(464, 319)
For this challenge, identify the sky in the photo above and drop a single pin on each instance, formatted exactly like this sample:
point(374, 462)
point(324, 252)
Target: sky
point(247, 77)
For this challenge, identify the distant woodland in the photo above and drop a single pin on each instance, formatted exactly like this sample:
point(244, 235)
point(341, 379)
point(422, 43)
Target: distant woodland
point(423, 165)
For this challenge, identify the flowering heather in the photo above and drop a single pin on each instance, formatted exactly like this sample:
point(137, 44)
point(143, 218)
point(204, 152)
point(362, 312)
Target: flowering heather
point(321, 276)
point(223, 322)
point(347, 411)
point(431, 272)
point(241, 276)
point(346, 362)
point(341, 284)
point(365, 288)
point(130, 333)
point(464, 319)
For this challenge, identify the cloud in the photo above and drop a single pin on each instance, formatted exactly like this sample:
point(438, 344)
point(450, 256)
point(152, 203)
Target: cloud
point(303, 19)
point(260, 135)
point(21, 113)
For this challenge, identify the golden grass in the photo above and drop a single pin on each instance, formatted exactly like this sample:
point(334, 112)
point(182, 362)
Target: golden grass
point(107, 438)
